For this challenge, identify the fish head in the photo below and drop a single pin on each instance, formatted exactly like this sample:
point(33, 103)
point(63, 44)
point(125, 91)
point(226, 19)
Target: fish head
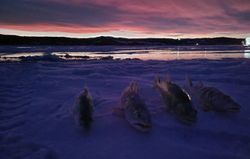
point(233, 107)
point(228, 104)
point(186, 113)
point(138, 118)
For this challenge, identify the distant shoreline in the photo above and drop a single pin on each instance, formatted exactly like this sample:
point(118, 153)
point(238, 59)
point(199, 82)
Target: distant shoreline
point(86, 53)
point(104, 41)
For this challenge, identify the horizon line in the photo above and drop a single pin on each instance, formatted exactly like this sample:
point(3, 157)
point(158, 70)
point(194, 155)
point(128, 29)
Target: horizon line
point(110, 36)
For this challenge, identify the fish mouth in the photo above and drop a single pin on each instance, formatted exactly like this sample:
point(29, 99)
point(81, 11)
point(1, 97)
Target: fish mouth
point(142, 126)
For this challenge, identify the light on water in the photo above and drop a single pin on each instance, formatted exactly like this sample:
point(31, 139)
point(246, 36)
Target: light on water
point(247, 54)
point(143, 53)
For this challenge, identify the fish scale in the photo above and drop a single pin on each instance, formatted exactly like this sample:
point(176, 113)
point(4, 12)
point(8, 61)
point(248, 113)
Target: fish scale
point(212, 99)
point(176, 100)
point(134, 108)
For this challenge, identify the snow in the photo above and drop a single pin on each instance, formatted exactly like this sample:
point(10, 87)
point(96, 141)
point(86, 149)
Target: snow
point(36, 122)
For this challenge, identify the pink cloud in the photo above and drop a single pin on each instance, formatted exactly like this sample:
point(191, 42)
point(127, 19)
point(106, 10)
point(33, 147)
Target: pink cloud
point(145, 16)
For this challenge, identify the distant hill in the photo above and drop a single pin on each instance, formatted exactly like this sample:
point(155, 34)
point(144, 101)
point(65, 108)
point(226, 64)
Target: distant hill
point(20, 40)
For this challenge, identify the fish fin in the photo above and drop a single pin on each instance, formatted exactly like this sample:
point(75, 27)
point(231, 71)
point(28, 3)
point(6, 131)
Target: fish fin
point(90, 97)
point(157, 78)
point(118, 111)
point(156, 82)
point(86, 93)
point(161, 85)
point(189, 82)
point(85, 88)
point(135, 87)
point(129, 88)
point(168, 78)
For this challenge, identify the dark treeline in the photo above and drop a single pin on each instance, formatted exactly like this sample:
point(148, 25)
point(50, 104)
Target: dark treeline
point(19, 40)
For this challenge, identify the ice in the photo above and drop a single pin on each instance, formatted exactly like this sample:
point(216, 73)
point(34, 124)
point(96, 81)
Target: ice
point(36, 122)
point(57, 53)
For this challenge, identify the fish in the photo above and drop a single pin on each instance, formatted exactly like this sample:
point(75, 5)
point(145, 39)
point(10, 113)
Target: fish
point(176, 100)
point(211, 98)
point(133, 108)
point(83, 109)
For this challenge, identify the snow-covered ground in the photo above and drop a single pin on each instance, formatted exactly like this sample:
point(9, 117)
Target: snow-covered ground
point(36, 97)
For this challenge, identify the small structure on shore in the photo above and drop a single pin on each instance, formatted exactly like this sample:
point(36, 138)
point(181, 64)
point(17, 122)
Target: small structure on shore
point(247, 41)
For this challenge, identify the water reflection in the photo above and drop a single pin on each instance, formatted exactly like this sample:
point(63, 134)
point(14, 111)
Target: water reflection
point(172, 55)
point(146, 54)
point(247, 53)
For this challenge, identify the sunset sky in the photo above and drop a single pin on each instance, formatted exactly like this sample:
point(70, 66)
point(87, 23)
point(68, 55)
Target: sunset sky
point(126, 18)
